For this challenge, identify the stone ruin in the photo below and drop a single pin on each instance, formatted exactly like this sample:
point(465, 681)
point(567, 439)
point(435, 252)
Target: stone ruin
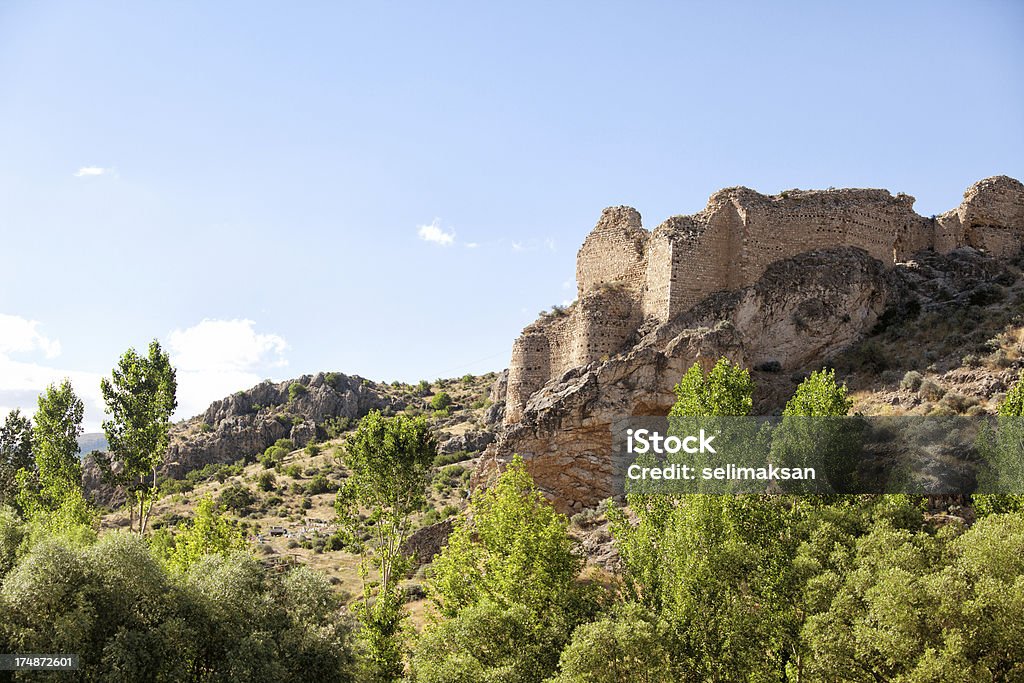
point(630, 279)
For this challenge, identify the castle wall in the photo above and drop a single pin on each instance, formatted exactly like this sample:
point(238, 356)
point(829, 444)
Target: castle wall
point(626, 275)
point(604, 321)
point(614, 252)
point(660, 277)
point(528, 371)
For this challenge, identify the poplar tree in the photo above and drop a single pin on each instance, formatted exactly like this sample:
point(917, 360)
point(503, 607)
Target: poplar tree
point(140, 397)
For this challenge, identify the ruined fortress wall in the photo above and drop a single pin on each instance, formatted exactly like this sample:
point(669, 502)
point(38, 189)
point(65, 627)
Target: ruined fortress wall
point(614, 252)
point(603, 322)
point(528, 371)
point(660, 279)
point(705, 258)
point(778, 228)
point(626, 275)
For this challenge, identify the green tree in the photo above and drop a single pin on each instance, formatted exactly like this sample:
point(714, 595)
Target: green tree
point(15, 453)
point(210, 532)
point(56, 482)
point(819, 396)
point(140, 397)
point(815, 432)
point(486, 642)
point(225, 618)
point(915, 606)
point(1003, 451)
point(625, 646)
point(389, 460)
point(725, 391)
point(713, 567)
point(512, 548)
point(441, 400)
point(510, 560)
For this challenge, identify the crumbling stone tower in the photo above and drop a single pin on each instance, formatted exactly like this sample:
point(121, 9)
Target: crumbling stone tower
point(628, 277)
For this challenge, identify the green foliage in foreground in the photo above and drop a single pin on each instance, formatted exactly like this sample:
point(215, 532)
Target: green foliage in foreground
point(1004, 451)
point(15, 453)
point(506, 587)
point(389, 461)
point(209, 533)
point(726, 390)
point(223, 618)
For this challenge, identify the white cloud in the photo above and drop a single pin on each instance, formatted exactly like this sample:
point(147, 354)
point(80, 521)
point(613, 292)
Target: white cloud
point(21, 381)
point(87, 171)
point(19, 335)
point(434, 233)
point(215, 358)
point(472, 245)
point(518, 246)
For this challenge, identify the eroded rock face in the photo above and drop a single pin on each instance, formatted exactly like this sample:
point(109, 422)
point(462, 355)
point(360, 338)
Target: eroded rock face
point(245, 424)
point(798, 312)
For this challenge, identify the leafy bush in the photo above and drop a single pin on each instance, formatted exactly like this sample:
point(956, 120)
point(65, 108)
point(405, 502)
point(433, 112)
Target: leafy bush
point(912, 380)
point(266, 481)
point(320, 484)
point(237, 497)
point(296, 391)
point(449, 458)
point(931, 390)
point(440, 401)
point(127, 618)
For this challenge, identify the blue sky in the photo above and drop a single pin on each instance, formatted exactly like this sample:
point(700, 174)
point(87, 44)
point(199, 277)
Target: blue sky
point(252, 183)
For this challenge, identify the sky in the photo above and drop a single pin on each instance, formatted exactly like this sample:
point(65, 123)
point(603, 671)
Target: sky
point(395, 190)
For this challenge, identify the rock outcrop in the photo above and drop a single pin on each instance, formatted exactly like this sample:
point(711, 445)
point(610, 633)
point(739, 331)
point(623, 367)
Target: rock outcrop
point(243, 425)
point(247, 422)
point(775, 283)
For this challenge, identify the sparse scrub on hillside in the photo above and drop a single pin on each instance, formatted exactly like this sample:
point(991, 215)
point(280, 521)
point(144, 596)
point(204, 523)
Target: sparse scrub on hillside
point(296, 391)
point(237, 498)
point(930, 390)
point(440, 401)
point(267, 481)
point(443, 459)
point(912, 380)
point(957, 402)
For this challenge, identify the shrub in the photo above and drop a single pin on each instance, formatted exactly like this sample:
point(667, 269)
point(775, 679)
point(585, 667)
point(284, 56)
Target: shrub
point(957, 402)
point(266, 481)
point(320, 484)
point(931, 390)
point(237, 497)
point(440, 401)
point(912, 380)
point(296, 391)
point(449, 458)
point(313, 449)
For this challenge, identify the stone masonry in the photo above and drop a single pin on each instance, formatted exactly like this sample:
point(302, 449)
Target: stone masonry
point(629, 278)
